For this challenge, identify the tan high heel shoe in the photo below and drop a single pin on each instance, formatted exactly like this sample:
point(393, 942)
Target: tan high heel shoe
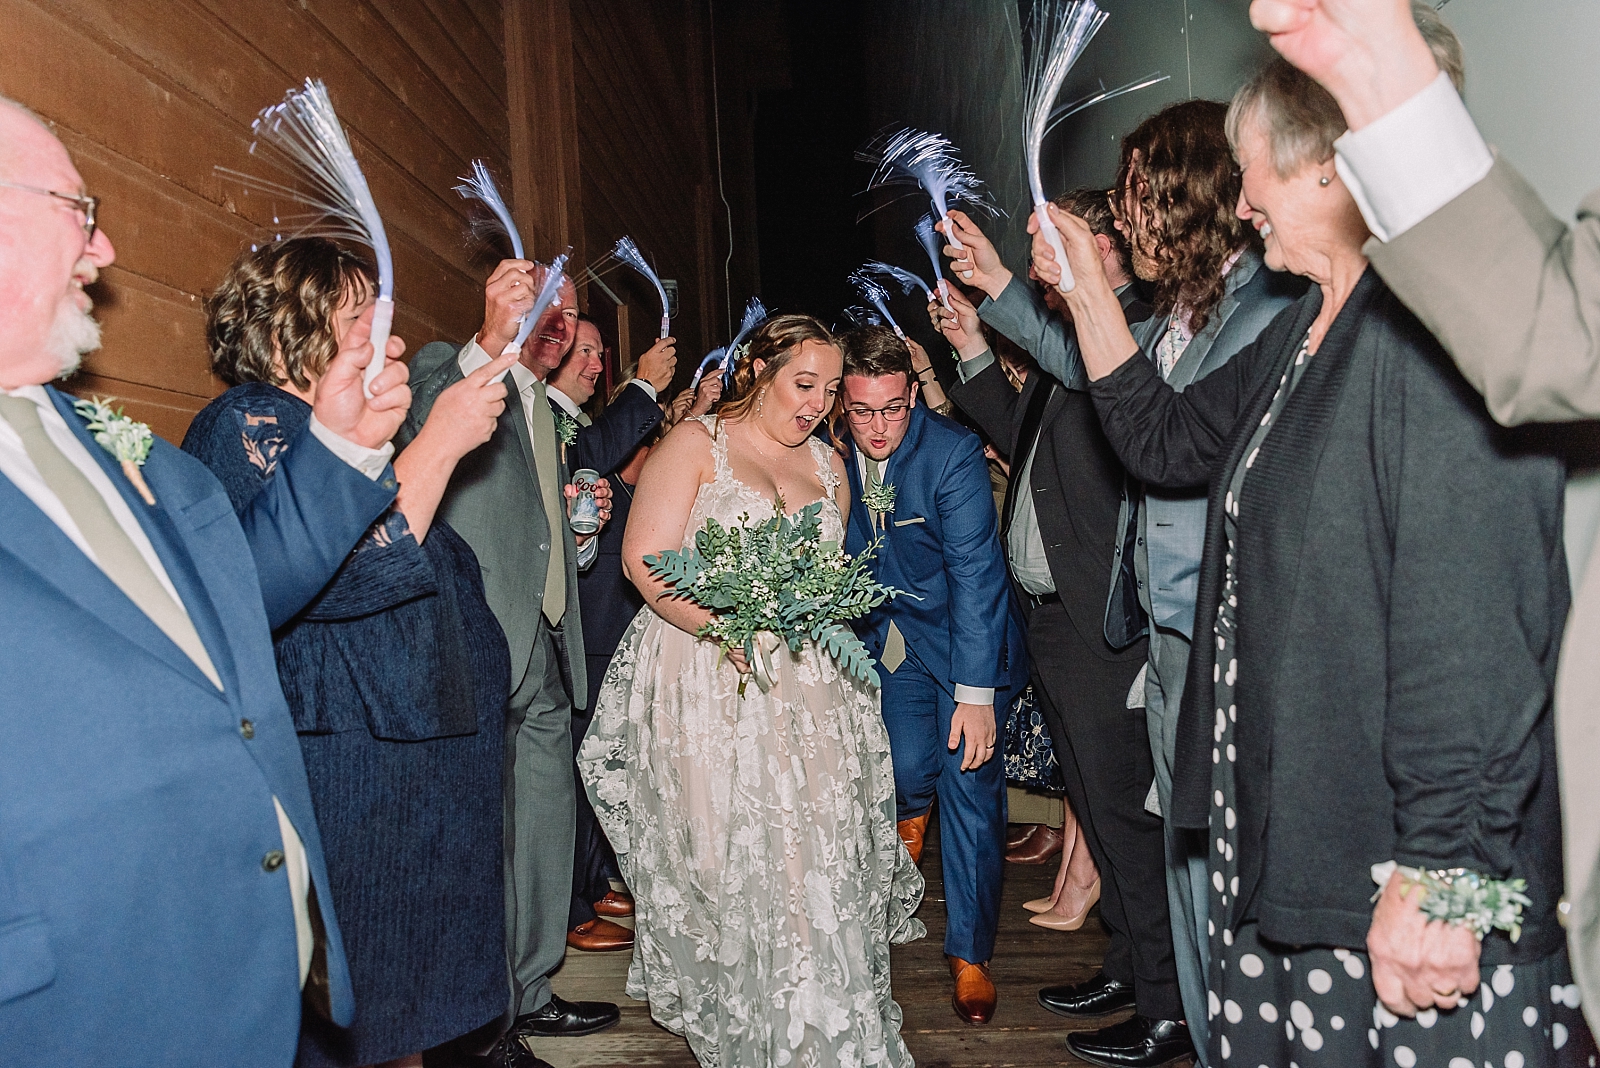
point(1055, 922)
point(1045, 904)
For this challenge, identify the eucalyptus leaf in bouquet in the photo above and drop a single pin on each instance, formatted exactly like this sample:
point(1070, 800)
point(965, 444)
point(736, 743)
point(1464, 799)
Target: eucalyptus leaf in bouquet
point(777, 577)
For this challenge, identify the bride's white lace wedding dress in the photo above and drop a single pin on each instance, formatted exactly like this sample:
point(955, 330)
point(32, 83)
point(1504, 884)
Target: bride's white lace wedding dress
point(757, 835)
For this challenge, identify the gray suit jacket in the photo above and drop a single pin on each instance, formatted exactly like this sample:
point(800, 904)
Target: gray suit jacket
point(1172, 522)
point(1514, 297)
point(494, 503)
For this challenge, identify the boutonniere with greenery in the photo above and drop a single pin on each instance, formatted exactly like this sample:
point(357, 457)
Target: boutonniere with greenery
point(127, 440)
point(879, 500)
point(566, 428)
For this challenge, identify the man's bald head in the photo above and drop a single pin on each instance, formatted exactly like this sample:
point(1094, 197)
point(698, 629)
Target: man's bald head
point(45, 258)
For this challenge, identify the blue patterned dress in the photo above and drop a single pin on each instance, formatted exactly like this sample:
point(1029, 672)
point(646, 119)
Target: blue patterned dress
point(396, 676)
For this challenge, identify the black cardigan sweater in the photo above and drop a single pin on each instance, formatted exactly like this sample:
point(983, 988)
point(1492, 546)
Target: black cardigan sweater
point(1402, 593)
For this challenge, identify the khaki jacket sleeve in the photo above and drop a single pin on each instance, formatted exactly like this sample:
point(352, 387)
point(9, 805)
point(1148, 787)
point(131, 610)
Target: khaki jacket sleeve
point(1511, 293)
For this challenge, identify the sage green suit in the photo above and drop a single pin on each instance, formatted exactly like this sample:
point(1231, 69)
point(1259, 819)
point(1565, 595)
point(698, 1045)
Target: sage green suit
point(494, 502)
point(1514, 295)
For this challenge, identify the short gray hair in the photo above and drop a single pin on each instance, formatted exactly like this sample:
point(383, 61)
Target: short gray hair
point(1300, 118)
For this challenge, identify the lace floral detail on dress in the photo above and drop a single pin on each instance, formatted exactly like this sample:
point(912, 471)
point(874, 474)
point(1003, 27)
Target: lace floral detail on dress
point(757, 835)
point(263, 440)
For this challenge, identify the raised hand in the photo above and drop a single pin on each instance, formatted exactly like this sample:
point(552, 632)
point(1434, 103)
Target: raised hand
point(707, 396)
point(465, 415)
point(342, 405)
point(960, 326)
point(508, 295)
point(978, 264)
point(659, 362)
point(1368, 53)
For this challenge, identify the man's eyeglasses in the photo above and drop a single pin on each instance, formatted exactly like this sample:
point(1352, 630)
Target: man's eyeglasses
point(90, 206)
point(892, 413)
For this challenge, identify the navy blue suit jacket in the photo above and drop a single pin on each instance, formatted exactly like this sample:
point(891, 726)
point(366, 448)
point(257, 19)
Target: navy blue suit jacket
point(606, 444)
point(138, 923)
point(942, 545)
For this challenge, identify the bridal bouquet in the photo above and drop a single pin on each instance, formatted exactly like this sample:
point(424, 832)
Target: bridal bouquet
point(775, 583)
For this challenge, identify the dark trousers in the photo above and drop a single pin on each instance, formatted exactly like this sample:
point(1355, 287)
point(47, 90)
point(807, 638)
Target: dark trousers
point(972, 805)
point(1104, 753)
point(594, 865)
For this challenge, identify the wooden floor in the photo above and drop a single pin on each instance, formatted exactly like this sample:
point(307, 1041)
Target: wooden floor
point(1022, 1034)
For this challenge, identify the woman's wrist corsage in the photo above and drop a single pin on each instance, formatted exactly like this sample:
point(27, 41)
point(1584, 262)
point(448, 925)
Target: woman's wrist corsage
point(1462, 897)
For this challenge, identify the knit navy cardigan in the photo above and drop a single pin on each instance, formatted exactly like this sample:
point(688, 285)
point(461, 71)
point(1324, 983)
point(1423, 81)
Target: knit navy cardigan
point(1402, 590)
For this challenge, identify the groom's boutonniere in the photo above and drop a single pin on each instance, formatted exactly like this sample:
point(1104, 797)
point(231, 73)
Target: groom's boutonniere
point(879, 500)
point(127, 440)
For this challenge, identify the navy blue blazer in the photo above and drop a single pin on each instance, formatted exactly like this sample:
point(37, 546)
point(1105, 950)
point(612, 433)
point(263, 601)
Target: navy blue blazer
point(139, 921)
point(942, 545)
point(606, 444)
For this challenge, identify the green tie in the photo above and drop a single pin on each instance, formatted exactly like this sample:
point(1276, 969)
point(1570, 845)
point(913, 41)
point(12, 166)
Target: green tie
point(894, 646)
point(583, 418)
point(111, 546)
point(546, 459)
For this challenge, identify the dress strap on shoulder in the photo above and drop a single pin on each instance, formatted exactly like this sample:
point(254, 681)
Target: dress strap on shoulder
point(719, 443)
point(823, 453)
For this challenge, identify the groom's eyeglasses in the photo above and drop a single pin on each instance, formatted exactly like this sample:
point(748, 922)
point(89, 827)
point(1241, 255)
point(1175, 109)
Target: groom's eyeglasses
point(892, 413)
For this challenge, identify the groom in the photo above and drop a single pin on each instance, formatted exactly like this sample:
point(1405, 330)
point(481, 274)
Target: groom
point(950, 650)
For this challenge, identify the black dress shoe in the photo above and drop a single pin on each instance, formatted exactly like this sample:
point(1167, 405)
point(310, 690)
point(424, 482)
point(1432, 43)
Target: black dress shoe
point(567, 1019)
point(1137, 1042)
point(509, 1052)
point(1100, 996)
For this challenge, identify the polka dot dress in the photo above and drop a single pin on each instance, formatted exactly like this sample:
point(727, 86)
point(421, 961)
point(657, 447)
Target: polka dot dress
point(1272, 1005)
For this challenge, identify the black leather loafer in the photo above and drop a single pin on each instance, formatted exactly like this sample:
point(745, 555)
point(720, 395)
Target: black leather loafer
point(1100, 996)
point(567, 1019)
point(509, 1052)
point(1137, 1042)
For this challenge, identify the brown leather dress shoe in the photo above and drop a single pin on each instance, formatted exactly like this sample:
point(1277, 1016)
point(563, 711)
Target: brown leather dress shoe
point(1017, 833)
point(1039, 847)
point(600, 936)
point(974, 996)
point(614, 904)
point(912, 832)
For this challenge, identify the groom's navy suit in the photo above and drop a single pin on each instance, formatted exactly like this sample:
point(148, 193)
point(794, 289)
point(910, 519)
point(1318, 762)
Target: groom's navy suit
point(145, 909)
point(941, 546)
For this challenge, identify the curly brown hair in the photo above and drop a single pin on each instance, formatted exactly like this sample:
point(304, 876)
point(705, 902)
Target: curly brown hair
point(271, 318)
point(774, 342)
point(1177, 167)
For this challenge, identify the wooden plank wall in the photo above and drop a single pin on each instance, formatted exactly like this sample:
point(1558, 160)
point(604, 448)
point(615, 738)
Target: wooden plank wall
point(647, 153)
point(149, 97)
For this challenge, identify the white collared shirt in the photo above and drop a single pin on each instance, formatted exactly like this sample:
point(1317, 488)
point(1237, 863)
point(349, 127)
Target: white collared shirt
point(964, 694)
point(1414, 160)
point(16, 465)
point(570, 406)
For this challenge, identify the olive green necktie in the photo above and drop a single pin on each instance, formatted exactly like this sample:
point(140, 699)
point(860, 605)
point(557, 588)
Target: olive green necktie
point(547, 459)
point(894, 646)
point(110, 545)
point(583, 418)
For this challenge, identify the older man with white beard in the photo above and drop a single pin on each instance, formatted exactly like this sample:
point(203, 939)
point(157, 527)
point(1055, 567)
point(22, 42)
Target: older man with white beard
point(162, 888)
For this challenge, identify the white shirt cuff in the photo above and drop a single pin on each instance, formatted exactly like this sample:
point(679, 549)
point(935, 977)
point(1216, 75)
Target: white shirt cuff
point(587, 552)
point(472, 357)
point(1413, 161)
point(369, 462)
point(647, 387)
point(974, 695)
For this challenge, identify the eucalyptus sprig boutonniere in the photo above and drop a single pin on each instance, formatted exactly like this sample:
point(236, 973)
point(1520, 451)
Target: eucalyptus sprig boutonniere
point(566, 428)
point(879, 500)
point(127, 440)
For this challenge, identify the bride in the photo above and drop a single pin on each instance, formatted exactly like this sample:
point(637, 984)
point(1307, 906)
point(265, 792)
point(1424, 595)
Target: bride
point(757, 833)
